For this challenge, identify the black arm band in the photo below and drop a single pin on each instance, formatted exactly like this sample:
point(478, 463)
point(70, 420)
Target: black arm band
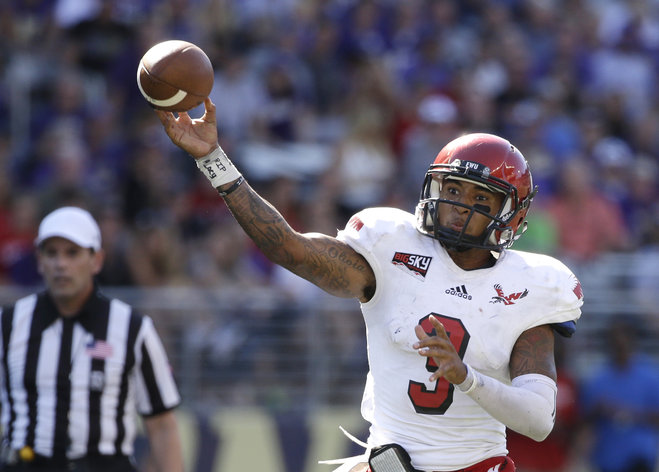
point(233, 187)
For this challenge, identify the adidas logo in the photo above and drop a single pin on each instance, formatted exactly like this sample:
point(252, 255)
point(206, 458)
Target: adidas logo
point(460, 291)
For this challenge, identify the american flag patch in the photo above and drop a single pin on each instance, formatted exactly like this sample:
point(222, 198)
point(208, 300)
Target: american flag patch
point(99, 349)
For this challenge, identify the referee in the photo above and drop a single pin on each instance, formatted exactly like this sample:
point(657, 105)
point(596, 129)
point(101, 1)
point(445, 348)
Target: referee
point(76, 368)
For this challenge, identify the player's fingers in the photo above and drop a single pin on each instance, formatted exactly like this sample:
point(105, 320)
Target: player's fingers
point(208, 117)
point(426, 340)
point(429, 344)
point(420, 333)
point(439, 327)
point(440, 331)
point(431, 347)
point(438, 374)
point(209, 111)
point(184, 118)
point(209, 105)
point(164, 117)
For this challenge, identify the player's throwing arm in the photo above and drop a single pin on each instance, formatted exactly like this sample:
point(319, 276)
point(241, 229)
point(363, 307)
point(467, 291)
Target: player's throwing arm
point(323, 260)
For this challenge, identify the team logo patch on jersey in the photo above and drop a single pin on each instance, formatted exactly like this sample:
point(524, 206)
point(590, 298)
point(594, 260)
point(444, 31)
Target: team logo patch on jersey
point(415, 263)
point(99, 349)
point(501, 297)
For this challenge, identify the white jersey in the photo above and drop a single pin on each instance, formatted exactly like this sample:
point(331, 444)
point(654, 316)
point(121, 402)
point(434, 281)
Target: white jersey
point(484, 311)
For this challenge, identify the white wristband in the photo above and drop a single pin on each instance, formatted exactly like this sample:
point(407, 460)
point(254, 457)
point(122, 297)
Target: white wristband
point(469, 383)
point(218, 168)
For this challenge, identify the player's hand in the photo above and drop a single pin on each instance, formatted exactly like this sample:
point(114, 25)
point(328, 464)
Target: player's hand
point(440, 348)
point(198, 136)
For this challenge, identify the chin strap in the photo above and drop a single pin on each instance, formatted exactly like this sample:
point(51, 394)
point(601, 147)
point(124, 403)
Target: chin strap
point(348, 463)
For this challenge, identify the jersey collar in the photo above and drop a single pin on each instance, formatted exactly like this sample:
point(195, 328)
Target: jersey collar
point(85, 316)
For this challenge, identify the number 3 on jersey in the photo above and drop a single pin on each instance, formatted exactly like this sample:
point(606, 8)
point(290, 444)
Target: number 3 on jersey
point(437, 401)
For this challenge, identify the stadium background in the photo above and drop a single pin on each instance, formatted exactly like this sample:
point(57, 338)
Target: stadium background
point(328, 106)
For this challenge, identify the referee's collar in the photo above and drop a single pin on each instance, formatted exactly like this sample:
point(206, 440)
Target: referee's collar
point(85, 316)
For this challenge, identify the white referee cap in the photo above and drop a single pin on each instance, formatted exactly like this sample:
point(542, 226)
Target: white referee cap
point(72, 223)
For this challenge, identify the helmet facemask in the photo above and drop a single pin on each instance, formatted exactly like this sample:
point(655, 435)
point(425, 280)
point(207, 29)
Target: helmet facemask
point(500, 232)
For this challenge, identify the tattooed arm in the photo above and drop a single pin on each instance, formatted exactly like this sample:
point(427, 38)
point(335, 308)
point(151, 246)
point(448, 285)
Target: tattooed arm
point(324, 261)
point(533, 353)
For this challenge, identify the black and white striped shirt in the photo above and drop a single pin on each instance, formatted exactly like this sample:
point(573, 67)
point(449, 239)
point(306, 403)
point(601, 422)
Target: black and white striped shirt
point(71, 387)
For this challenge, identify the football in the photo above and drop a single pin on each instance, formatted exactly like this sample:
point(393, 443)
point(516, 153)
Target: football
point(175, 76)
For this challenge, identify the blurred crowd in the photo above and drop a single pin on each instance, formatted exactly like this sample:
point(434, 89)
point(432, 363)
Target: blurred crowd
point(328, 107)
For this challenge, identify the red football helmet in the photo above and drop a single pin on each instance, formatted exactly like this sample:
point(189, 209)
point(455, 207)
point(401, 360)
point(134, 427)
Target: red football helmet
point(489, 161)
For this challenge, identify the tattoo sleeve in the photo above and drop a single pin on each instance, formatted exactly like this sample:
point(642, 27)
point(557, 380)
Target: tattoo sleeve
point(325, 261)
point(533, 353)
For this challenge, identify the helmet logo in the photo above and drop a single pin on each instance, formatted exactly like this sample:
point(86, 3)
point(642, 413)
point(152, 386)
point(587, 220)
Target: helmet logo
point(470, 166)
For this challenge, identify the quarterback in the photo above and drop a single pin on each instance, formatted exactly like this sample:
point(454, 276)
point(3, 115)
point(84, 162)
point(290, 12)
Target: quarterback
point(460, 328)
